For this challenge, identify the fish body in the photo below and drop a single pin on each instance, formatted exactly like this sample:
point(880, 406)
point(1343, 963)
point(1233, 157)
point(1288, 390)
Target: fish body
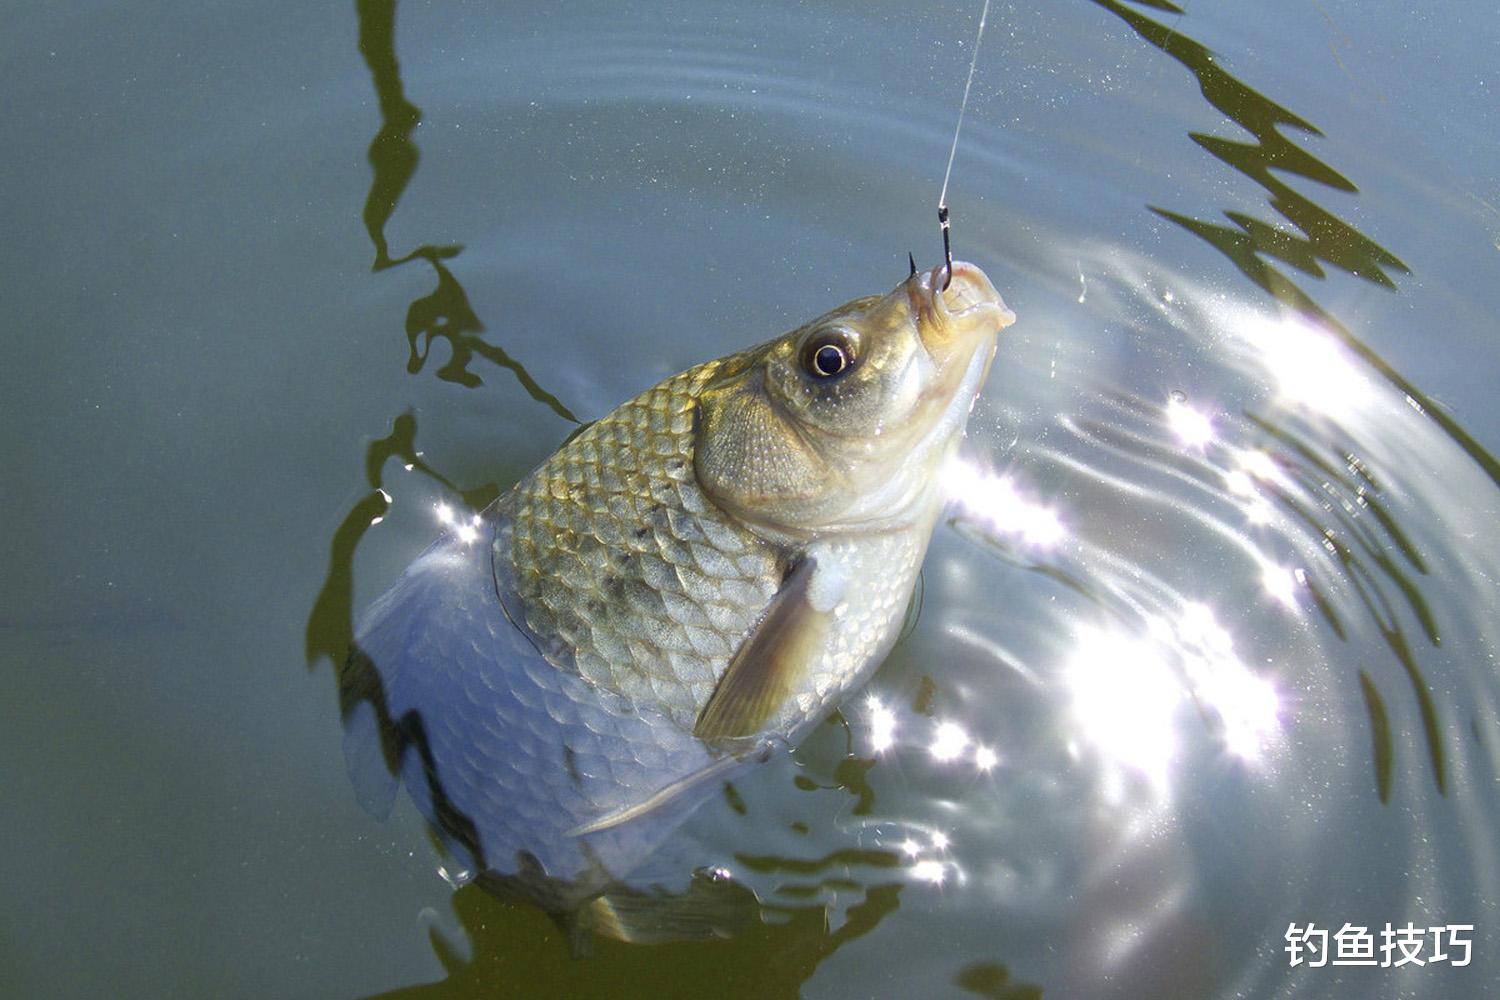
point(695, 578)
point(628, 574)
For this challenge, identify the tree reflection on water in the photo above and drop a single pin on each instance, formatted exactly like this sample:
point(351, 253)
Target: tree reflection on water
point(775, 946)
point(498, 924)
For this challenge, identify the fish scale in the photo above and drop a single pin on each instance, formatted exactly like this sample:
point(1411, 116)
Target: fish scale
point(644, 585)
point(488, 764)
point(695, 578)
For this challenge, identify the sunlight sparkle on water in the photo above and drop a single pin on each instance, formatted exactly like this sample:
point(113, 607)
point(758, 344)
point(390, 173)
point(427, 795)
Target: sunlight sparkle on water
point(1280, 583)
point(1253, 722)
point(1247, 705)
point(1127, 690)
point(995, 501)
point(882, 724)
point(1201, 628)
point(949, 741)
point(457, 877)
point(985, 759)
point(929, 870)
point(1257, 511)
point(1255, 468)
point(467, 530)
point(1238, 482)
point(1260, 465)
point(1193, 429)
point(1124, 698)
point(1309, 365)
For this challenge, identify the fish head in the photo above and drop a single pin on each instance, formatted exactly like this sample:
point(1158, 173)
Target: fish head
point(844, 423)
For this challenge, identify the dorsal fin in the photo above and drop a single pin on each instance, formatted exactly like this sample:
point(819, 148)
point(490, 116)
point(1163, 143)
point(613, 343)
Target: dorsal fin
point(769, 663)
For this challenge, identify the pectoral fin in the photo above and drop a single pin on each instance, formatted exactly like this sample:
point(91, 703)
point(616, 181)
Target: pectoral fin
point(768, 665)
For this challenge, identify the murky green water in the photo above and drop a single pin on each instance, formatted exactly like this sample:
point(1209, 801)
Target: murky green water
point(1207, 647)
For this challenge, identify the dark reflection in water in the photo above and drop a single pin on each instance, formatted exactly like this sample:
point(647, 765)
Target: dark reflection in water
point(330, 626)
point(445, 314)
point(1380, 735)
point(1250, 241)
point(392, 152)
point(767, 960)
point(773, 945)
point(1324, 236)
point(991, 979)
point(1344, 496)
point(494, 909)
point(851, 774)
point(1344, 490)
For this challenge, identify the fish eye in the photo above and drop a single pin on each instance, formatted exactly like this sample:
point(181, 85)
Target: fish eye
point(827, 354)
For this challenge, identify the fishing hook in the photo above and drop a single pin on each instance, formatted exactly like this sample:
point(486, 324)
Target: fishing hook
point(913, 262)
point(947, 248)
point(963, 106)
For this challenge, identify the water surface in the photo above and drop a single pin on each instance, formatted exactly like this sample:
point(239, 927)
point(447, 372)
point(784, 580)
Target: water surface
point(1206, 646)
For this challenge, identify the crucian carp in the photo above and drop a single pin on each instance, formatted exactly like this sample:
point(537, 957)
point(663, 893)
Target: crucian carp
point(696, 578)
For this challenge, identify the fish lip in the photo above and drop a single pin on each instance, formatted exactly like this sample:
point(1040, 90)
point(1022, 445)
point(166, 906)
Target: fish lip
point(980, 311)
point(985, 301)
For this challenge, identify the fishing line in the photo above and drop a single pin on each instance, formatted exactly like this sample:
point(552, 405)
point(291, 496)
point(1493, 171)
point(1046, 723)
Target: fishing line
point(953, 150)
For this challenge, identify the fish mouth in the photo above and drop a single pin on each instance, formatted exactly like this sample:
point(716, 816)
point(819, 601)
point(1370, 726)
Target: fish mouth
point(960, 302)
point(959, 315)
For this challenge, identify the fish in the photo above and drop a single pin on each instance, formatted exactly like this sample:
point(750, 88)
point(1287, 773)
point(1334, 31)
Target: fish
point(682, 589)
